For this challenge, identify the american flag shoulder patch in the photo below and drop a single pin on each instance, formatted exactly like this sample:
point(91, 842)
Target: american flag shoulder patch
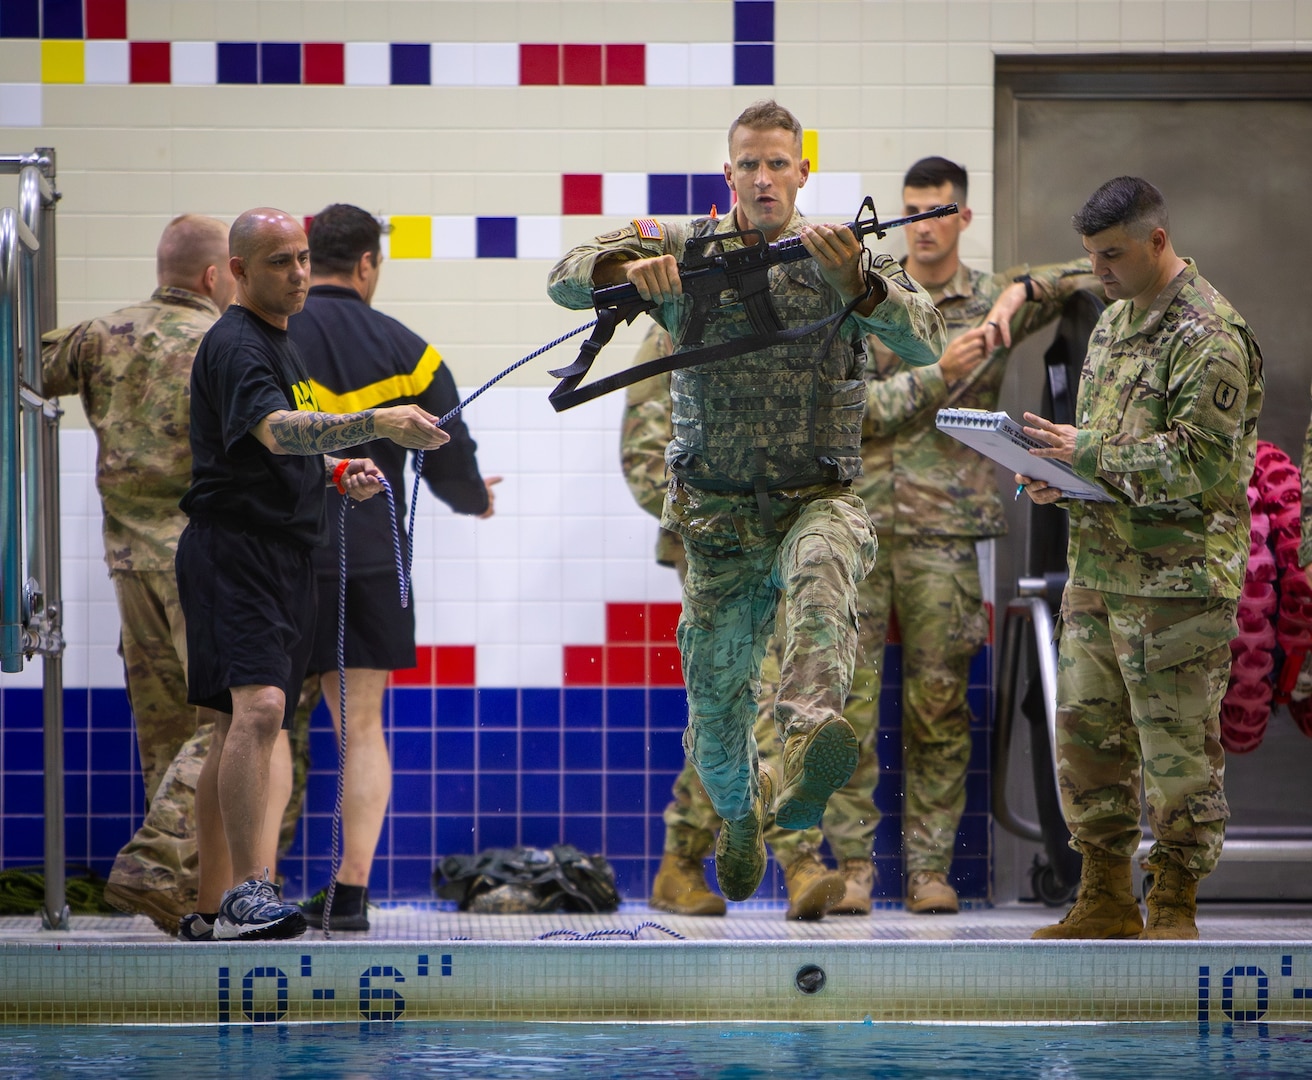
point(649, 228)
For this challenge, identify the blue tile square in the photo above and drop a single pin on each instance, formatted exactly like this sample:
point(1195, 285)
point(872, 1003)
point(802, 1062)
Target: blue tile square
point(495, 237)
point(76, 752)
point(583, 793)
point(540, 708)
point(979, 793)
point(540, 750)
point(23, 793)
point(411, 750)
point(585, 832)
point(76, 839)
point(979, 749)
point(280, 63)
point(455, 707)
point(660, 791)
point(498, 831)
point(455, 835)
point(978, 701)
point(582, 750)
point(411, 64)
point(61, 19)
point(412, 879)
point(20, 19)
point(583, 708)
point(753, 20)
point(625, 794)
point(971, 878)
point(455, 794)
point(892, 667)
point(753, 65)
point(981, 667)
point(667, 193)
point(655, 833)
point(626, 750)
point(540, 832)
point(113, 751)
point(323, 746)
point(412, 835)
point(707, 190)
point(974, 835)
point(412, 793)
point(411, 707)
point(239, 62)
point(667, 709)
point(665, 751)
point(455, 751)
point(630, 878)
point(77, 794)
point(498, 793)
point(110, 709)
point(25, 839)
point(888, 836)
point(320, 792)
point(22, 708)
point(539, 793)
point(498, 708)
point(626, 708)
point(498, 750)
point(108, 834)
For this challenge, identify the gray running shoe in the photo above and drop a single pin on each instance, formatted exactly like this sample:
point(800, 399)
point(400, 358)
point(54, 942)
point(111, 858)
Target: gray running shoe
point(195, 927)
point(254, 911)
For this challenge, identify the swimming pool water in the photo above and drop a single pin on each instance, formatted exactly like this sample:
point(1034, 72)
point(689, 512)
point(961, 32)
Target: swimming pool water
point(662, 1051)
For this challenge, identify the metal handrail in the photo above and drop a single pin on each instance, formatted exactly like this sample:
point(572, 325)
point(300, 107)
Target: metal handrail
point(33, 607)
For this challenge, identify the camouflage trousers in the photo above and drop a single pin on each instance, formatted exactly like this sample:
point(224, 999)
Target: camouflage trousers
point(737, 574)
point(1139, 688)
point(162, 852)
point(932, 583)
point(849, 822)
point(153, 644)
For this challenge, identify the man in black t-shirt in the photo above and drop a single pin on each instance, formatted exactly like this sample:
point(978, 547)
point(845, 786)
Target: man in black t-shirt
point(360, 358)
point(257, 509)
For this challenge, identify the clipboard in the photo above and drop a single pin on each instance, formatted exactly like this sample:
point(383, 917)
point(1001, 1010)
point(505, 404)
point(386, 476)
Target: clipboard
point(998, 437)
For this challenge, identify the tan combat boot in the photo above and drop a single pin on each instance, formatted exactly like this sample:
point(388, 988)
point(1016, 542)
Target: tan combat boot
point(1106, 907)
point(928, 893)
point(859, 882)
point(812, 887)
point(740, 847)
point(1172, 905)
point(680, 887)
point(815, 766)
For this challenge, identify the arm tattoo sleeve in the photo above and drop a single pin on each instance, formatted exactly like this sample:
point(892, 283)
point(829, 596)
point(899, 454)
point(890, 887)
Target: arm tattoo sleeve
point(322, 433)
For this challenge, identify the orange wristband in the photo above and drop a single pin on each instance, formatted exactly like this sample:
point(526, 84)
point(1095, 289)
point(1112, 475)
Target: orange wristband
point(339, 472)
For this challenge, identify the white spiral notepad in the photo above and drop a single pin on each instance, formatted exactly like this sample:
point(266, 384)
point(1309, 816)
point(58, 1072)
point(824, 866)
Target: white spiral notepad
point(998, 437)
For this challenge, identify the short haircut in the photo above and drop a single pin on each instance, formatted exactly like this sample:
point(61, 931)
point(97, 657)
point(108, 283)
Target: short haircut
point(767, 115)
point(339, 235)
point(931, 172)
point(189, 245)
point(1127, 200)
point(249, 231)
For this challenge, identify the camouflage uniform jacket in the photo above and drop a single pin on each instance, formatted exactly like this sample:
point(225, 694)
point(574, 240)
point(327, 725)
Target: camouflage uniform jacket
point(1305, 548)
point(132, 370)
point(918, 481)
point(1167, 422)
point(648, 428)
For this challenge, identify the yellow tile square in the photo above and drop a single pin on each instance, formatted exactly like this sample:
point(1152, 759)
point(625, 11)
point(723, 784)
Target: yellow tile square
point(62, 62)
point(811, 147)
point(411, 237)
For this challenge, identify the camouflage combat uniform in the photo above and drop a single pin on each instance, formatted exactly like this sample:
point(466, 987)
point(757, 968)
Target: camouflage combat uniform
point(1167, 418)
point(932, 498)
point(744, 443)
point(690, 821)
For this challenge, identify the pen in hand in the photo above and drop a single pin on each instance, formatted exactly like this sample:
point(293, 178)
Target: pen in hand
point(1019, 489)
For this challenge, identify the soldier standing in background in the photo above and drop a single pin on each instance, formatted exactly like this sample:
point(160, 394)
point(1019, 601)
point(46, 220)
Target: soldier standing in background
point(932, 499)
point(132, 370)
point(690, 820)
point(766, 446)
point(1166, 422)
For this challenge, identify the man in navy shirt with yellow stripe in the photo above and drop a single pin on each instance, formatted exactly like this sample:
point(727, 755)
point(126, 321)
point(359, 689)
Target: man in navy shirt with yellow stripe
point(359, 358)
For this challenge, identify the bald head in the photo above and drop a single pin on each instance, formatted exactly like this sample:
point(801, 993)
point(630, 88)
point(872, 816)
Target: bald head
point(257, 228)
point(270, 258)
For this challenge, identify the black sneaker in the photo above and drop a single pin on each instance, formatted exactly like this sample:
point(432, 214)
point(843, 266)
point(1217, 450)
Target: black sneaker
point(254, 910)
point(195, 927)
point(350, 908)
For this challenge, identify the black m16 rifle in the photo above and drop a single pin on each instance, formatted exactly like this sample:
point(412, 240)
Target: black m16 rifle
point(711, 281)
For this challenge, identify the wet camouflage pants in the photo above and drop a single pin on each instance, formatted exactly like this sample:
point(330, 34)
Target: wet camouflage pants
point(932, 582)
point(1139, 688)
point(824, 546)
point(153, 645)
point(849, 822)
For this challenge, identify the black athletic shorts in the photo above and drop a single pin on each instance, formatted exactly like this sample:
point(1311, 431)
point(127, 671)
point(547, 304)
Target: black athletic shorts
point(380, 633)
point(249, 601)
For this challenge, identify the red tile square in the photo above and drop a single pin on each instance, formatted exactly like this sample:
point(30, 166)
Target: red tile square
point(626, 65)
point(107, 19)
point(583, 665)
point(665, 666)
point(539, 65)
point(626, 622)
point(582, 65)
point(626, 665)
point(419, 675)
point(454, 665)
point(580, 193)
point(663, 621)
point(325, 63)
point(149, 62)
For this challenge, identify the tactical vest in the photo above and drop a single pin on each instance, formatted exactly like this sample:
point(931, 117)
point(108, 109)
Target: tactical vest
point(786, 415)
